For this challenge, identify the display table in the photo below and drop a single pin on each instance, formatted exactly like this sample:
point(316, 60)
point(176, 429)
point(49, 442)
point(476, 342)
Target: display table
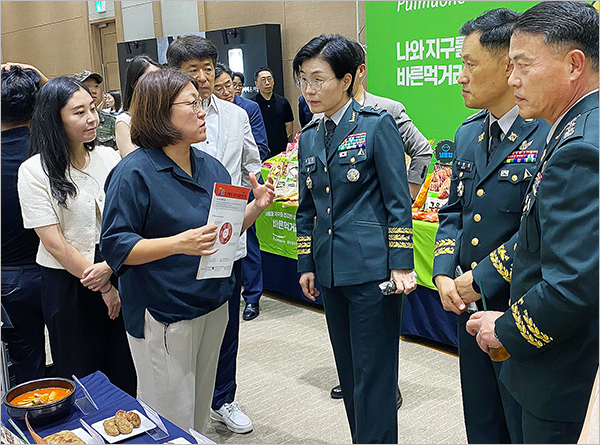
point(109, 399)
point(423, 314)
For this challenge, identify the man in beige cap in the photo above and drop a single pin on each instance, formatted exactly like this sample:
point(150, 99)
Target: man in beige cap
point(106, 127)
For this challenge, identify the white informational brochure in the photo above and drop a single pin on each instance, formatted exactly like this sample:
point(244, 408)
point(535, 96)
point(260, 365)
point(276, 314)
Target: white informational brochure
point(227, 209)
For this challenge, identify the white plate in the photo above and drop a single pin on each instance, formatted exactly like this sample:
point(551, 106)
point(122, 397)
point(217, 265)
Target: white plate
point(83, 435)
point(179, 440)
point(146, 425)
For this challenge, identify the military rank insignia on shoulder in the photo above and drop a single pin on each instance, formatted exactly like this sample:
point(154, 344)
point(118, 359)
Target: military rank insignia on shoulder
point(473, 117)
point(310, 124)
point(371, 110)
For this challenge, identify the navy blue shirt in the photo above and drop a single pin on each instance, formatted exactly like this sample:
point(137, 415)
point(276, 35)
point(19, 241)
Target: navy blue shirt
point(276, 113)
point(149, 196)
point(304, 114)
point(19, 245)
point(257, 124)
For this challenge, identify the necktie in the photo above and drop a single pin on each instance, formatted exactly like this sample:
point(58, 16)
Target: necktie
point(495, 132)
point(329, 129)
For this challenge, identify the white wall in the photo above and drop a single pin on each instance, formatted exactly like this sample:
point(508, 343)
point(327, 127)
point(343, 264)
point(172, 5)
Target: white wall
point(179, 17)
point(138, 20)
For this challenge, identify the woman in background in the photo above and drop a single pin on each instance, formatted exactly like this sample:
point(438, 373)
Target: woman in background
point(61, 193)
point(112, 101)
point(139, 66)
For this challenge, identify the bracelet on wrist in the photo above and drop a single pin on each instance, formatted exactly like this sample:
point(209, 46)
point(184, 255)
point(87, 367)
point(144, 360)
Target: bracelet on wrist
point(107, 291)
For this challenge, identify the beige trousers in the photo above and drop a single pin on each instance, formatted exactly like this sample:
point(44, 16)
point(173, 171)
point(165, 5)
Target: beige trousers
point(176, 366)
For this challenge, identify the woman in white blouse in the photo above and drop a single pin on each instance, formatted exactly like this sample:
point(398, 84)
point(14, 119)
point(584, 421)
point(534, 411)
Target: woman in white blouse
point(61, 192)
point(138, 66)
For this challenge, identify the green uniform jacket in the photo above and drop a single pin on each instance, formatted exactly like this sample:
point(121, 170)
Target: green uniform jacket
point(551, 329)
point(484, 207)
point(354, 219)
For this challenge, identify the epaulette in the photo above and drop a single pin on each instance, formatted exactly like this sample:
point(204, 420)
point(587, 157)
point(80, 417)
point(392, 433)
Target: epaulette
point(312, 123)
point(371, 110)
point(473, 117)
point(573, 129)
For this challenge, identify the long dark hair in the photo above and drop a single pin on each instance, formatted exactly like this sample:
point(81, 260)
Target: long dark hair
point(136, 68)
point(49, 139)
point(117, 97)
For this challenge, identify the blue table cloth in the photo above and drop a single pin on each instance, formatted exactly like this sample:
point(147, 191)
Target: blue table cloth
point(109, 399)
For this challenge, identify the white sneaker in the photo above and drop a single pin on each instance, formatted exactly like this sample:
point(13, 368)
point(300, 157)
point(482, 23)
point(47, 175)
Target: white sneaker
point(231, 415)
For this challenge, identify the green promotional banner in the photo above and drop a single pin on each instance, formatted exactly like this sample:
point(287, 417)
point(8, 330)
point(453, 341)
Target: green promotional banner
point(276, 230)
point(413, 56)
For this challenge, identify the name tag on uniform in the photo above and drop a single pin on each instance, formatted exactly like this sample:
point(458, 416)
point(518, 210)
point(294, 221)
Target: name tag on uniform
point(464, 166)
point(308, 162)
point(358, 140)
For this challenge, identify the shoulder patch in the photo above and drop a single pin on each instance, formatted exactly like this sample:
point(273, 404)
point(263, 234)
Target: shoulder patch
point(479, 115)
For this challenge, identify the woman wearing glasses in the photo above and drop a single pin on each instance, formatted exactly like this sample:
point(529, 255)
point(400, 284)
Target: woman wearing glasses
point(154, 233)
point(354, 231)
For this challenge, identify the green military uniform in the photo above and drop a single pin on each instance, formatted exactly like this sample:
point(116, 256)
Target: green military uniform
point(105, 133)
point(354, 225)
point(483, 211)
point(551, 329)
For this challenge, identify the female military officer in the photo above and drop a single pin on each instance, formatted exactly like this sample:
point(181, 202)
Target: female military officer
point(354, 231)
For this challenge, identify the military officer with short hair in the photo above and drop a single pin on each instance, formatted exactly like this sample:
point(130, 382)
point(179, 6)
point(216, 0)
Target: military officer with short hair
point(354, 230)
point(496, 154)
point(551, 328)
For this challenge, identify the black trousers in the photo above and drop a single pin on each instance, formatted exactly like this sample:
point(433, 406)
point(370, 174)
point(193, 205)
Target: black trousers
point(363, 327)
point(21, 298)
point(491, 414)
point(225, 385)
point(83, 338)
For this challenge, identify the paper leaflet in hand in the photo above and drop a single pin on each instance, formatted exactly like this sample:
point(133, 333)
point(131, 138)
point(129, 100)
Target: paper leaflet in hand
point(227, 209)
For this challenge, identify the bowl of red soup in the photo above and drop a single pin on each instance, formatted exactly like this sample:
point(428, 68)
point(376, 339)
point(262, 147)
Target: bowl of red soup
point(44, 399)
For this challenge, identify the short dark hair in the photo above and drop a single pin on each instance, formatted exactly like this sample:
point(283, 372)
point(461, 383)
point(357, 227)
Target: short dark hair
point(565, 25)
point(260, 70)
point(189, 48)
point(240, 75)
point(135, 69)
point(360, 50)
point(495, 28)
point(338, 51)
point(222, 68)
point(151, 104)
point(49, 138)
point(19, 90)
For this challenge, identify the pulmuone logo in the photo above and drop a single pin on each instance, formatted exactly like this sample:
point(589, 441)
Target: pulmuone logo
point(413, 6)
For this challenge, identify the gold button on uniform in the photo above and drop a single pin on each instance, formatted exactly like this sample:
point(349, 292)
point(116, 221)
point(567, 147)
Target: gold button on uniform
point(329, 231)
point(327, 189)
point(475, 241)
point(480, 192)
point(473, 264)
point(352, 159)
point(514, 178)
point(477, 217)
point(325, 169)
point(461, 174)
point(328, 210)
